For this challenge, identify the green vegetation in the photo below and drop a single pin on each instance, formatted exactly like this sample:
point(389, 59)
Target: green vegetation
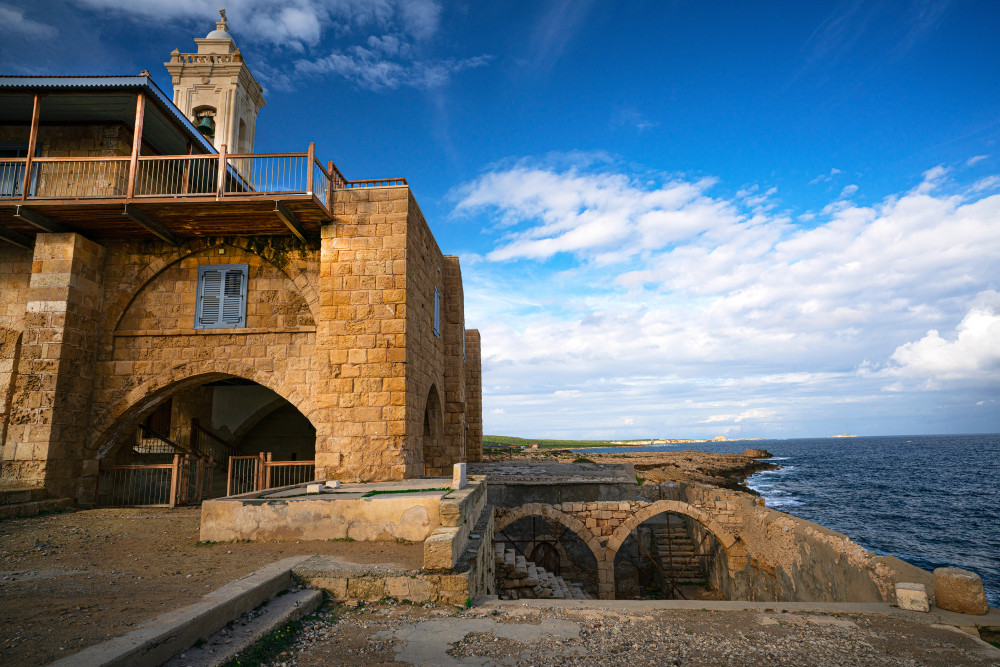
point(509, 440)
point(267, 649)
point(582, 459)
point(379, 492)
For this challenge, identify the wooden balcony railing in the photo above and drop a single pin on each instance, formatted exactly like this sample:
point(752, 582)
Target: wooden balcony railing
point(219, 176)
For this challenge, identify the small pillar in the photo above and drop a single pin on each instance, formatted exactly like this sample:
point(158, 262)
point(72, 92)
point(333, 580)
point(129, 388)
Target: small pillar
point(458, 479)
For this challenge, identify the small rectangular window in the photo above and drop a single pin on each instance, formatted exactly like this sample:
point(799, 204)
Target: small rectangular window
point(221, 302)
point(437, 312)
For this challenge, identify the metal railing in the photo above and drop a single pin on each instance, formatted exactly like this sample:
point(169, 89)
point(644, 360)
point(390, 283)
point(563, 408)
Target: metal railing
point(130, 485)
point(207, 443)
point(187, 479)
point(11, 177)
point(260, 472)
point(79, 178)
point(170, 176)
point(150, 442)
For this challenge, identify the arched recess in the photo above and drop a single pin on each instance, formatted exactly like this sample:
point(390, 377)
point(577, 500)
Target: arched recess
point(504, 517)
point(124, 415)
point(254, 419)
point(118, 306)
point(735, 551)
point(432, 435)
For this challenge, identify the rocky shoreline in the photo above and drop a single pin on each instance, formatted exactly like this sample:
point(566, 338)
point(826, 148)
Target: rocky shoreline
point(729, 471)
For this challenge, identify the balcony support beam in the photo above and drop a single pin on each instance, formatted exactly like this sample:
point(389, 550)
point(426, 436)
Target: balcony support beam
point(13, 238)
point(140, 113)
point(36, 219)
point(150, 225)
point(36, 112)
point(290, 221)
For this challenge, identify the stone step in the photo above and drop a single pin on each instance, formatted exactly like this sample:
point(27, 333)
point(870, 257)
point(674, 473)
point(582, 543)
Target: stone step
point(16, 496)
point(531, 579)
point(33, 507)
point(498, 552)
point(509, 558)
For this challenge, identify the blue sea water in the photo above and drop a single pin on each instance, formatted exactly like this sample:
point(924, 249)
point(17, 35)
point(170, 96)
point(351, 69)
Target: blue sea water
point(932, 500)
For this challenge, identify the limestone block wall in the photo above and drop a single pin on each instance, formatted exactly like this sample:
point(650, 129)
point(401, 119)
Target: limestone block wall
point(15, 275)
point(362, 328)
point(47, 420)
point(432, 361)
point(149, 348)
point(473, 397)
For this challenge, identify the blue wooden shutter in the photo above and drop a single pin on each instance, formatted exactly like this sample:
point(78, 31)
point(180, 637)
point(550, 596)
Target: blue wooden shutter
point(437, 312)
point(222, 296)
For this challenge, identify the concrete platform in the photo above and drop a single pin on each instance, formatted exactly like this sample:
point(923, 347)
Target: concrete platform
point(514, 483)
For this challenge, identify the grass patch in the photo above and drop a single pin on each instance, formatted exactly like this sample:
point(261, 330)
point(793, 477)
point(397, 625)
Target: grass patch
point(582, 459)
point(268, 648)
point(638, 480)
point(379, 492)
point(511, 441)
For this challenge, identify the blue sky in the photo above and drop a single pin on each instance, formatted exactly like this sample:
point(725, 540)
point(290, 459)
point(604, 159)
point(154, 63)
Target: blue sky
point(675, 219)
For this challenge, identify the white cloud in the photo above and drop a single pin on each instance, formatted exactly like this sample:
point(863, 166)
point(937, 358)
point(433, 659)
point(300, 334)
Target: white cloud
point(372, 69)
point(641, 293)
point(13, 22)
point(975, 159)
point(972, 353)
point(825, 178)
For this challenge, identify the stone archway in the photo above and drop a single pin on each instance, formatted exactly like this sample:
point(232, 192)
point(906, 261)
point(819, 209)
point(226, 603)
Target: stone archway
point(504, 517)
point(432, 435)
point(124, 414)
point(736, 555)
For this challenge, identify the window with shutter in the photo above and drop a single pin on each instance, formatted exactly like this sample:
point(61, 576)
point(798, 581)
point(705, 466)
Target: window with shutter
point(221, 301)
point(437, 312)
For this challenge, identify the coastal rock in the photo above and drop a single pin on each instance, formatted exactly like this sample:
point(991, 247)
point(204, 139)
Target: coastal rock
point(960, 591)
point(912, 597)
point(756, 453)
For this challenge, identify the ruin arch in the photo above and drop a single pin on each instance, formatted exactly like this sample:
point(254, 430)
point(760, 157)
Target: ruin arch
point(506, 516)
point(735, 551)
point(124, 412)
point(120, 304)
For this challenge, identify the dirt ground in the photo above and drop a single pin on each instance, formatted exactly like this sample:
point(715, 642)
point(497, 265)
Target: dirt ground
point(74, 579)
point(515, 634)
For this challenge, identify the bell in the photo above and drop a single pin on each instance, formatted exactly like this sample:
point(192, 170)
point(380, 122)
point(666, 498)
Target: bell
point(206, 126)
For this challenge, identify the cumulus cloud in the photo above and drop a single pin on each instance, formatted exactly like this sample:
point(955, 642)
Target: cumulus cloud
point(972, 352)
point(642, 292)
point(14, 22)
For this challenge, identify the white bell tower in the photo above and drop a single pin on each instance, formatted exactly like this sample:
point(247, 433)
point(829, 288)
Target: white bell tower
point(216, 91)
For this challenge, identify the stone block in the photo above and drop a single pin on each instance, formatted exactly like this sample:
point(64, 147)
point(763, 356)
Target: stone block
point(959, 591)
point(912, 597)
point(458, 478)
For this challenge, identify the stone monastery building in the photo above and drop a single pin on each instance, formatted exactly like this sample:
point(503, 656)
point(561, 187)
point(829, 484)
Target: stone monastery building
point(164, 290)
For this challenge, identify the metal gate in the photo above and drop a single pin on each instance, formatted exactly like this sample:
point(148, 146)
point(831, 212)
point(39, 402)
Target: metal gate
point(257, 473)
point(186, 480)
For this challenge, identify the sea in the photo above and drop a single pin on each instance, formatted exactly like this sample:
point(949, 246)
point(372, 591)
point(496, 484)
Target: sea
point(931, 500)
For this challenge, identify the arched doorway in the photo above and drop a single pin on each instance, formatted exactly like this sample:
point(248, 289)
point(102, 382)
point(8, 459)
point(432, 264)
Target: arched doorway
point(432, 436)
point(214, 425)
point(552, 546)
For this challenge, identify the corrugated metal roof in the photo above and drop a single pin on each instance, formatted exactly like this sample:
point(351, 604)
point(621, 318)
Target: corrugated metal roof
point(106, 82)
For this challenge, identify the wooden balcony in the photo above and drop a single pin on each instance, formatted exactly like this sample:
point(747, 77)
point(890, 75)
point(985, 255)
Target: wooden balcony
point(170, 196)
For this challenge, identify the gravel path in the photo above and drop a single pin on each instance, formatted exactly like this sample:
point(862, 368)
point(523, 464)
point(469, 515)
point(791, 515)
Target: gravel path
point(508, 634)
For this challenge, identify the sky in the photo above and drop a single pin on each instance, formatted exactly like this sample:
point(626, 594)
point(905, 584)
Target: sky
point(675, 219)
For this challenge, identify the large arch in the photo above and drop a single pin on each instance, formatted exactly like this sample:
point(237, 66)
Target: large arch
point(125, 413)
point(118, 306)
point(506, 516)
point(735, 551)
point(432, 433)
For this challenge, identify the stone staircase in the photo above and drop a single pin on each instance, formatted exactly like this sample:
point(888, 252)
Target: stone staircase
point(519, 578)
point(674, 552)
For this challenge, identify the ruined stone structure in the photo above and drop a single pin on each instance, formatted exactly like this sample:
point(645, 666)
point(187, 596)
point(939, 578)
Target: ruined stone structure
point(756, 553)
point(144, 276)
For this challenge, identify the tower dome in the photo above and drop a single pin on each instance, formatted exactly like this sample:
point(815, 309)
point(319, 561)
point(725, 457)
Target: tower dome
point(221, 28)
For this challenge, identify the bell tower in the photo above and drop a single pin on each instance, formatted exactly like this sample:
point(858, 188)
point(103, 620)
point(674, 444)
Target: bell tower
point(216, 91)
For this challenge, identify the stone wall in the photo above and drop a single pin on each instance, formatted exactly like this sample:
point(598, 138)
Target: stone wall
point(473, 397)
point(15, 277)
point(344, 332)
point(761, 554)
